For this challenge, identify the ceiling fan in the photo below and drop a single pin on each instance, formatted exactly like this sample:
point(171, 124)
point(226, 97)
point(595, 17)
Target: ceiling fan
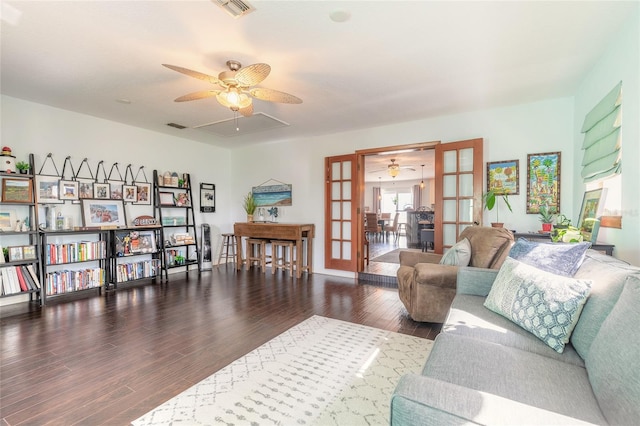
point(236, 91)
point(394, 168)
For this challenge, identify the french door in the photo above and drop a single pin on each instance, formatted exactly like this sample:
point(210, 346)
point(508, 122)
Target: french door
point(458, 188)
point(341, 206)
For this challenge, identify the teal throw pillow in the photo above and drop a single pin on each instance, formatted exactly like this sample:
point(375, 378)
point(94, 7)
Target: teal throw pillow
point(542, 303)
point(557, 258)
point(458, 255)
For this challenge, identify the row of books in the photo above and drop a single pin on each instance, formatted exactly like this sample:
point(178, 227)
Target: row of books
point(59, 282)
point(75, 252)
point(137, 270)
point(16, 279)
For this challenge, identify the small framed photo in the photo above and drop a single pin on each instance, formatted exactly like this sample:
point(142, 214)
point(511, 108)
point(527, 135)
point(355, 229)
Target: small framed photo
point(503, 177)
point(590, 211)
point(145, 243)
point(47, 189)
point(28, 252)
point(130, 193)
point(7, 220)
point(207, 198)
point(166, 199)
point(101, 191)
point(17, 191)
point(182, 200)
point(85, 190)
point(115, 190)
point(69, 190)
point(96, 212)
point(143, 193)
point(15, 253)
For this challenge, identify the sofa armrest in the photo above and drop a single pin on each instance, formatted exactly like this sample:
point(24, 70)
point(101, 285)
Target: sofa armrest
point(411, 258)
point(421, 400)
point(436, 275)
point(475, 281)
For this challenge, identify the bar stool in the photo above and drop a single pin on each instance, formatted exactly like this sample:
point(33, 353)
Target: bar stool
point(282, 256)
point(402, 229)
point(257, 252)
point(227, 249)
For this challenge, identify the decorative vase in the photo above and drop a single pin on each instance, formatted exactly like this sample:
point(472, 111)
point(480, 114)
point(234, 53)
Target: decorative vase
point(546, 227)
point(249, 218)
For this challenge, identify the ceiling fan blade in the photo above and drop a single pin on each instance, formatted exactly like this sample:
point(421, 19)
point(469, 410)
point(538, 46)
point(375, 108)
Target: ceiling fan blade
point(195, 74)
point(274, 96)
point(247, 111)
point(197, 95)
point(252, 74)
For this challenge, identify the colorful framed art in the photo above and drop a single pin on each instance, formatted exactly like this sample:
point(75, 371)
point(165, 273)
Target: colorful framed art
point(543, 181)
point(503, 177)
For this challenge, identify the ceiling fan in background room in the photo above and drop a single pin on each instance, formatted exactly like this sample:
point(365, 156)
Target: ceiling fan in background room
point(236, 91)
point(393, 169)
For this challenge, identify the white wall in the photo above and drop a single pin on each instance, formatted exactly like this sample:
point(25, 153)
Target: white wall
point(620, 62)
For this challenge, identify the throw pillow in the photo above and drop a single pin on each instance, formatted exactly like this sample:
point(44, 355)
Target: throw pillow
point(557, 258)
point(542, 303)
point(458, 255)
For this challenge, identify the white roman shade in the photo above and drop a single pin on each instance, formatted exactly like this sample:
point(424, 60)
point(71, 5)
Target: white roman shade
point(601, 128)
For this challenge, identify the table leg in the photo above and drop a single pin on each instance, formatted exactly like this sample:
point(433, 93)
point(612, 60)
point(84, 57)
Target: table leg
point(309, 256)
point(238, 252)
point(299, 253)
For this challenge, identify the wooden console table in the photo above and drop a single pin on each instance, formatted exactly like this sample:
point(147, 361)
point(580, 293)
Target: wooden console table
point(279, 231)
point(604, 248)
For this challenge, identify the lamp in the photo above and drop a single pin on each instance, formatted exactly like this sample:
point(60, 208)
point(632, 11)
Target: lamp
point(422, 181)
point(393, 169)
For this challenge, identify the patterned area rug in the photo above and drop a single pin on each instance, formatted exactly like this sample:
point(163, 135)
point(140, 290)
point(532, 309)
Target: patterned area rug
point(392, 256)
point(320, 372)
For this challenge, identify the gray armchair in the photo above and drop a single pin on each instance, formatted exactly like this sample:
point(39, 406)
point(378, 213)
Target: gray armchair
point(426, 288)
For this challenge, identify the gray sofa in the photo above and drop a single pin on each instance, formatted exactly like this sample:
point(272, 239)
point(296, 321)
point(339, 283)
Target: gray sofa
point(484, 369)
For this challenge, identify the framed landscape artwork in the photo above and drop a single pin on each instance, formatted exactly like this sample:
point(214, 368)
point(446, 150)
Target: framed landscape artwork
point(503, 177)
point(16, 191)
point(590, 211)
point(543, 181)
point(47, 189)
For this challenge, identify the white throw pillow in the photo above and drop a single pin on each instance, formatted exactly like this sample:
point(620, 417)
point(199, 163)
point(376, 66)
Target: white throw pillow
point(458, 255)
point(545, 304)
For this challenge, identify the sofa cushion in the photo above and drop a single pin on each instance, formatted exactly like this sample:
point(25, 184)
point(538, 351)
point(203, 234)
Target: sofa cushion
point(608, 275)
point(489, 246)
point(545, 304)
point(458, 255)
point(515, 374)
point(468, 317)
point(561, 259)
point(613, 362)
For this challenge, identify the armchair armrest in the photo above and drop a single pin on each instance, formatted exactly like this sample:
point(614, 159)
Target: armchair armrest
point(424, 400)
point(411, 258)
point(475, 281)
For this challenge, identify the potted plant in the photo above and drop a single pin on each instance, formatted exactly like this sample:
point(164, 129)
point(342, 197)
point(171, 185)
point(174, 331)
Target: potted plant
point(249, 206)
point(23, 166)
point(489, 200)
point(546, 217)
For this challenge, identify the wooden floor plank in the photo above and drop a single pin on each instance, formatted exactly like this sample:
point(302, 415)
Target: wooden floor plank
point(109, 359)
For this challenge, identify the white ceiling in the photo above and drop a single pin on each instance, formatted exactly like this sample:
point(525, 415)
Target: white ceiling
point(392, 61)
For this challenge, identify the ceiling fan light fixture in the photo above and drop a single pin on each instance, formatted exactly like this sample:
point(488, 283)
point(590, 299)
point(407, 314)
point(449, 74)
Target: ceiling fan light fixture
point(393, 169)
point(422, 181)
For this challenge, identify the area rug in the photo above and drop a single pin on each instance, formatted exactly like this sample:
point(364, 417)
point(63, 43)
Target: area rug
point(392, 256)
point(319, 372)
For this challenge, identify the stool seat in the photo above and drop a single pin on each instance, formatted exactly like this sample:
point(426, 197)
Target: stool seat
point(227, 249)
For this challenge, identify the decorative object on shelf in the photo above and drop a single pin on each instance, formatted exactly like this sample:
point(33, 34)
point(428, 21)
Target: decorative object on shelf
point(504, 176)
point(543, 181)
point(17, 191)
point(103, 213)
point(7, 220)
point(8, 160)
point(547, 215)
point(207, 197)
point(166, 199)
point(273, 212)
point(15, 254)
point(23, 167)
point(272, 195)
point(249, 206)
point(489, 199)
point(590, 211)
point(145, 220)
point(182, 200)
point(570, 234)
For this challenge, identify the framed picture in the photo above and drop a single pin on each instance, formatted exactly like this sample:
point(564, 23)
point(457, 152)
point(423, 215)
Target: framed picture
point(96, 212)
point(272, 195)
point(207, 197)
point(7, 220)
point(504, 177)
point(543, 181)
point(143, 193)
point(47, 189)
point(85, 190)
point(28, 252)
point(69, 190)
point(115, 191)
point(16, 191)
point(182, 199)
point(166, 199)
point(590, 211)
point(130, 193)
point(15, 253)
point(101, 191)
point(145, 243)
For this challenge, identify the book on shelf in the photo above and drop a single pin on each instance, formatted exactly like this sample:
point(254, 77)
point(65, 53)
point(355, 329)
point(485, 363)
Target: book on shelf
point(34, 276)
point(10, 283)
point(21, 280)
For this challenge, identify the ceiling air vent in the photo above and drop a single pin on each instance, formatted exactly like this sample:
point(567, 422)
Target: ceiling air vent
point(235, 8)
point(177, 126)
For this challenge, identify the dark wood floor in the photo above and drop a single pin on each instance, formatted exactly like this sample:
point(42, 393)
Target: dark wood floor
point(109, 359)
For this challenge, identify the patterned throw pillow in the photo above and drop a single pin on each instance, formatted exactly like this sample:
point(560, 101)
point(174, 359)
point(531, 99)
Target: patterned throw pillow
point(542, 303)
point(458, 255)
point(557, 258)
